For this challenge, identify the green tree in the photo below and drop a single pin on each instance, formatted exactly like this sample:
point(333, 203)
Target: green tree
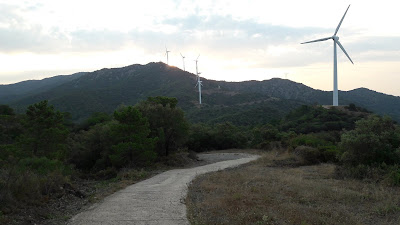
point(6, 110)
point(200, 138)
point(10, 126)
point(228, 136)
point(374, 141)
point(95, 118)
point(45, 133)
point(167, 122)
point(90, 148)
point(264, 134)
point(133, 146)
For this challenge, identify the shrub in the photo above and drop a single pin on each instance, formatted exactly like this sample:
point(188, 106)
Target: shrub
point(393, 176)
point(43, 166)
point(387, 174)
point(308, 155)
point(329, 153)
point(107, 173)
point(374, 141)
point(21, 184)
point(89, 149)
point(357, 172)
point(311, 140)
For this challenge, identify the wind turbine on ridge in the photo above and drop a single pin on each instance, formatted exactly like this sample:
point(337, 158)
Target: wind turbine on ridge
point(183, 59)
point(199, 82)
point(166, 53)
point(335, 41)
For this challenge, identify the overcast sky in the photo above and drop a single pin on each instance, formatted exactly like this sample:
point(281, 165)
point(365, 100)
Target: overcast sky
point(236, 40)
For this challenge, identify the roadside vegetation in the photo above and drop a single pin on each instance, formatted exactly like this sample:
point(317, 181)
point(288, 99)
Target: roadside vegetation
point(277, 190)
point(50, 168)
point(320, 166)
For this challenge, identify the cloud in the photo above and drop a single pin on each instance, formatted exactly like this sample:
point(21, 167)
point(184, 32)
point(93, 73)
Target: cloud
point(212, 33)
point(225, 30)
point(218, 35)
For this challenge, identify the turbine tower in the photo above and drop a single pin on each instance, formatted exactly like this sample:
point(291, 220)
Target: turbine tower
point(335, 41)
point(198, 79)
point(166, 53)
point(183, 59)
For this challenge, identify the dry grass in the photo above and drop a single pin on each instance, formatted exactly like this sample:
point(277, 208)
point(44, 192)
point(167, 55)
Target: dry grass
point(273, 191)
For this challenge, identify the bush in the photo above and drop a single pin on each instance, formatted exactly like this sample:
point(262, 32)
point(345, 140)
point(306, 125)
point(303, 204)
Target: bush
point(23, 184)
point(386, 174)
point(43, 166)
point(312, 140)
point(393, 176)
point(89, 149)
point(107, 173)
point(218, 137)
point(329, 153)
point(308, 155)
point(359, 172)
point(374, 141)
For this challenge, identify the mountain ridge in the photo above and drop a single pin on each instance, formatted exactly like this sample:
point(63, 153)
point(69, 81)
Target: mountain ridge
point(105, 89)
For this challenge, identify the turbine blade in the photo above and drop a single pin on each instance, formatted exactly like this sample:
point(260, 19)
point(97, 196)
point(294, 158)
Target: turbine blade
point(322, 39)
point(198, 57)
point(337, 29)
point(341, 46)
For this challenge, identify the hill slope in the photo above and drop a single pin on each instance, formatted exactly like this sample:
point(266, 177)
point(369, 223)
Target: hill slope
point(13, 92)
point(244, 103)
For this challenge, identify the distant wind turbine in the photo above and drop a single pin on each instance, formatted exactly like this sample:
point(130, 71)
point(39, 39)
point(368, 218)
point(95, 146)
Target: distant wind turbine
point(199, 82)
point(166, 53)
point(335, 41)
point(183, 59)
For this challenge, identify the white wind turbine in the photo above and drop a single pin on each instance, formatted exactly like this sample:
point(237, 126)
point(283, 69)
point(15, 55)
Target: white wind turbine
point(166, 53)
point(183, 59)
point(335, 41)
point(199, 82)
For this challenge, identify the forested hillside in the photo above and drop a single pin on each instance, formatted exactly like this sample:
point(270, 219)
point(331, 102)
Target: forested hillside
point(242, 103)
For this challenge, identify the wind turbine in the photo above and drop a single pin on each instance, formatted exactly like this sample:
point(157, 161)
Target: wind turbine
point(166, 53)
point(335, 41)
point(183, 59)
point(199, 82)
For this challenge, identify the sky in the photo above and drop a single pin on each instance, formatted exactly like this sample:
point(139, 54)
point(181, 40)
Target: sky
point(236, 40)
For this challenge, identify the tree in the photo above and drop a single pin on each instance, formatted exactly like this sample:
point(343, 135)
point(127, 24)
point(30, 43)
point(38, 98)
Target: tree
point(133, 146)
point(372, 142)
point(95, 118)
point(45, 133)
point(228, 136)
point(6, 110)
point(90, 148)
point(167, 122)
point(10, 126)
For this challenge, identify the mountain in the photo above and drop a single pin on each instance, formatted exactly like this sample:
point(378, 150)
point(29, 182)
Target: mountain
point(243, 103)
point(13, 92)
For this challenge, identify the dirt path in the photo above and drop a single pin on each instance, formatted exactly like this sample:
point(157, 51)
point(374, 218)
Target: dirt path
point(158, 200)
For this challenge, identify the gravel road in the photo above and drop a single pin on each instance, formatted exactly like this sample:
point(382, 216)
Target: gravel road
point(158, 200)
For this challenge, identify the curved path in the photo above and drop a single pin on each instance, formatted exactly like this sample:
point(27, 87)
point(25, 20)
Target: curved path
point(158, 200)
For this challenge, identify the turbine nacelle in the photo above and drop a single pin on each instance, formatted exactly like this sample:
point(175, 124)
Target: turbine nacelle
point(335, 38)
